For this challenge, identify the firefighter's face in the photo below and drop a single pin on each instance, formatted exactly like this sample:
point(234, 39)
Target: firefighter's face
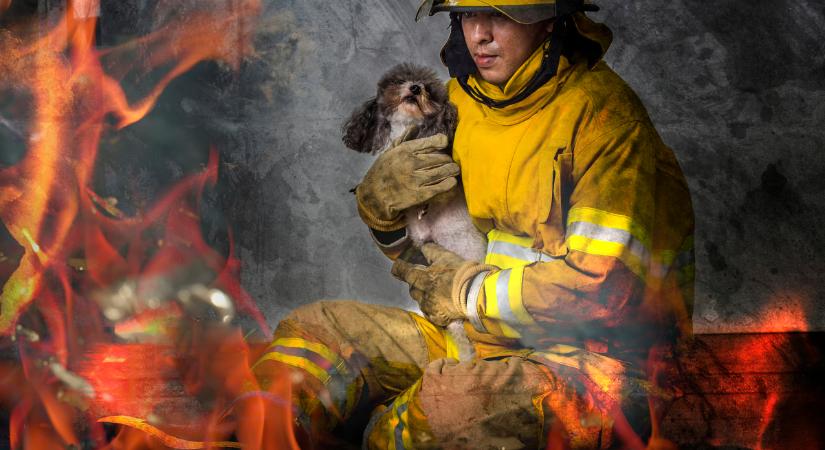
point(498, 45)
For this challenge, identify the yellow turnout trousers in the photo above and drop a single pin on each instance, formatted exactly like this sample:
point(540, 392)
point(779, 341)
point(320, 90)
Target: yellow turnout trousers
point(385, 375)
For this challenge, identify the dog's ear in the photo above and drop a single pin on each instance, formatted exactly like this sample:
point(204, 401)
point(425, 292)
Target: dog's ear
point(359, 130)
point(449, 116)
point(445, 122)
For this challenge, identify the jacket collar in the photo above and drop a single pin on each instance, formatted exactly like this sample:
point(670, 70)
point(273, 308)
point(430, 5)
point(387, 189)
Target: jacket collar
point(524, 109)
point(597, 33)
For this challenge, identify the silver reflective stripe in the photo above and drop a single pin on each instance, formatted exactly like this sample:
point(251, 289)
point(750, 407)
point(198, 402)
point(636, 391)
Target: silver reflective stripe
point(598, 232)
point(526, 254)
point(472, 302)
point(503, 298)
point(399, 429)
point(512, 250)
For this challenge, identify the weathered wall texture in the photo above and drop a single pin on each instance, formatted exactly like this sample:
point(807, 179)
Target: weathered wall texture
point(301, 239)
point(736, 88)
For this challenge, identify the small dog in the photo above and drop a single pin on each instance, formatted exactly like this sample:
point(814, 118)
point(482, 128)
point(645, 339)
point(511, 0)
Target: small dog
point(412, 103)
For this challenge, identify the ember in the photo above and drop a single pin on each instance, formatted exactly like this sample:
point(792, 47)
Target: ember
point(80, 276)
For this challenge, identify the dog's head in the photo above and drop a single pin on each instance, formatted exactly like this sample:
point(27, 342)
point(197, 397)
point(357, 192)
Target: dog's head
point(408, 94)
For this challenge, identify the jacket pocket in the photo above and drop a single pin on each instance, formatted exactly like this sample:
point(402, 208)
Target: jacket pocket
point(555, 196)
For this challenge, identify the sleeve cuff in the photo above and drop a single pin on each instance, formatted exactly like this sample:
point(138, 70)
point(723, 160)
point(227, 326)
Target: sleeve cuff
point(376, 223)
point(389, 239)
point(391, 244)
point(467, 284)
point(472, 301)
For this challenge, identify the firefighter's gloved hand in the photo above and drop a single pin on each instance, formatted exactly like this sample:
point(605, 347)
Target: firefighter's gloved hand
point(432, 286)
point(409, 174)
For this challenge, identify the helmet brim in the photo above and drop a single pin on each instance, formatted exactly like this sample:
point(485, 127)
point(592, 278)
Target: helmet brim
point(524, 14)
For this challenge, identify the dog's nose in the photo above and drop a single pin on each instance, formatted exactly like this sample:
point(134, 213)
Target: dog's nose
point(415, 89)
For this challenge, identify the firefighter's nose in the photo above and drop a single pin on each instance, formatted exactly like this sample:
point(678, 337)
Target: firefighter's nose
point(415, 89)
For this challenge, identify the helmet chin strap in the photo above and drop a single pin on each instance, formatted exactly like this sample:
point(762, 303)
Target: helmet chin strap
point(460, 64)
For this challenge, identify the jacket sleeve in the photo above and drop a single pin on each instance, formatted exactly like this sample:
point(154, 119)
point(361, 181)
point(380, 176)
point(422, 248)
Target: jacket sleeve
point(607, 237)
point(391, 243)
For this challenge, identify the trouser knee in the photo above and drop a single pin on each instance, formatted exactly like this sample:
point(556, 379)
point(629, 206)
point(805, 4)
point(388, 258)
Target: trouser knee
point(344, 357)
point(505, 403)
point(324, 383)
point(480, 404)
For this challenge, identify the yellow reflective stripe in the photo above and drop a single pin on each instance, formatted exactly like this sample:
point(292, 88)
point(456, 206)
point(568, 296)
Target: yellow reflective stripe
point(506, 251)
point(607, 373)
point(516, 301)
point(452, 347)
point(394, 423)
point(400, 418)
point(321, 349)
point(500, 236)
point(613, 235)
point(595, 246)
point(491, 299)
point(401, 432)
point(495, 298)
point(605, 248)
point(509, 331)
point(504, 261)
point(296, 361)
point(609, 220)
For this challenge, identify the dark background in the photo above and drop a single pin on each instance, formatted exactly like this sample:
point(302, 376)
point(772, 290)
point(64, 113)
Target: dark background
point(736, 88)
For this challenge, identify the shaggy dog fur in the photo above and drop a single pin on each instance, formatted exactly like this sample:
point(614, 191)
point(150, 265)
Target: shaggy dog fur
point(408, 95)
point(412, 103)
point(412, 100)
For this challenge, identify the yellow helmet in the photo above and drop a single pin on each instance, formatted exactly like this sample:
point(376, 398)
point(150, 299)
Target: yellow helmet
point(521, 11)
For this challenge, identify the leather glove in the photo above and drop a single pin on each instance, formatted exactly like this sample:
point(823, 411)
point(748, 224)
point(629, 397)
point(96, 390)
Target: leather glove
point(440, 287)
point(406, 175)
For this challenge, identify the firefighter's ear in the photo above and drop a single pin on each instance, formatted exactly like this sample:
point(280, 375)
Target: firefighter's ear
point(359, 131)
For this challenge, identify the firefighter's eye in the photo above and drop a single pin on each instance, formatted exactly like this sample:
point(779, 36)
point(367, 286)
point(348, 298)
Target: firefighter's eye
point(469, 15)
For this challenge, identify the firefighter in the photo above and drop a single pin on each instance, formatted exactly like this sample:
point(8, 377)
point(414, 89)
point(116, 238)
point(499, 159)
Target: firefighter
point(587, 279)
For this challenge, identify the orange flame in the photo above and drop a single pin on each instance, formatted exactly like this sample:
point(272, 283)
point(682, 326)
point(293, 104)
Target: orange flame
point(73, 369)
point(166, 439)
point(767, 415)
point(43, 196)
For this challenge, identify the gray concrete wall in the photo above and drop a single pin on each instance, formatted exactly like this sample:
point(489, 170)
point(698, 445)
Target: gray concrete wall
point(736, 88)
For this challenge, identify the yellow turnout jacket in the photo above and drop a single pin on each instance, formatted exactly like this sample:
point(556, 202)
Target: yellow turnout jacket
point(588, 215)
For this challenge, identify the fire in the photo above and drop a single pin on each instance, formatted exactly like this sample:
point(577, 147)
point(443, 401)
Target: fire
point(42, 196)
point(767, 415)
point(85, 265)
